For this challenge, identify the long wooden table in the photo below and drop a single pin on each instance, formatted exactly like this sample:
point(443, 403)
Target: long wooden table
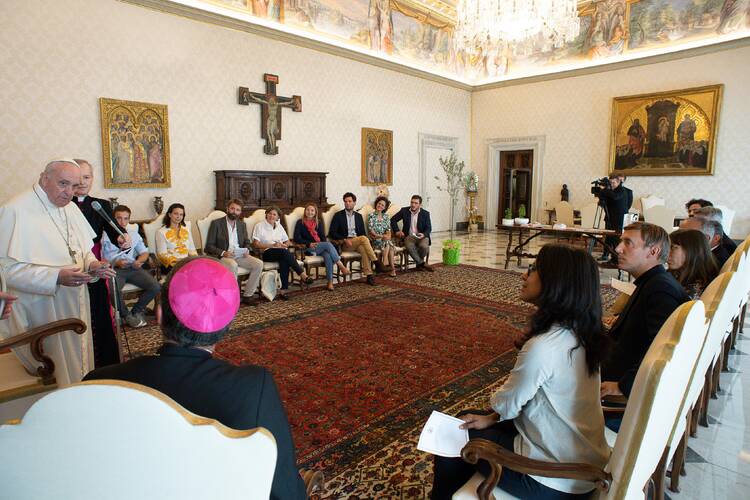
point(593, 235)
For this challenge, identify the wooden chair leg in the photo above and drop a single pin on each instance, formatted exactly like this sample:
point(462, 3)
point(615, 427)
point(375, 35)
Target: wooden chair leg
point(742, 319)
point(736, 327)
point(678, 462)
point(694, 414)
point(715, 378)
point(659, 475)
point(703, 420)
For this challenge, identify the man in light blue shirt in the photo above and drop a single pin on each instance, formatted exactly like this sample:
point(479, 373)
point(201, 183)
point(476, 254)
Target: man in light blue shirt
point(129, 267)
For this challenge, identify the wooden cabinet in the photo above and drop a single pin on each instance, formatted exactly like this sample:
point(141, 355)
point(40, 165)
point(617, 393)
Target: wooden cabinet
point(261, 189)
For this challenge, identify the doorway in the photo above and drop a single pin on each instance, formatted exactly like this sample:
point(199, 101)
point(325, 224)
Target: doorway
point(516, 169)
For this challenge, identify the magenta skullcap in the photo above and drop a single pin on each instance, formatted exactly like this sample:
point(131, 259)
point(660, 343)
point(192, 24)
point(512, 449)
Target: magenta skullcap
point(204, 295)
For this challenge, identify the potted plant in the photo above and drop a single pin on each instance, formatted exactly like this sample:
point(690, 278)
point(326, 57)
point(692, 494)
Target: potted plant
point(522, 219)
point(508, 217)
point(454, 183)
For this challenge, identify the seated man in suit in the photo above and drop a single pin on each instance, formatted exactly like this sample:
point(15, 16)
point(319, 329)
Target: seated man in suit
point(348, 227)
point(642, 251)
point(227, 240)
point(715, 214)
point(713, 231)
point(416, 231)
point(240, 397)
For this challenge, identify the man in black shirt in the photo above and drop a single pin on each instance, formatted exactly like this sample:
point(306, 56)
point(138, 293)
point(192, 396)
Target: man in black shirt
point(642, 252)
point(615, 200)
point(106, 351)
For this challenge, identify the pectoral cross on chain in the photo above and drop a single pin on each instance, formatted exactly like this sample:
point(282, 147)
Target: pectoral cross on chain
point(270, 110)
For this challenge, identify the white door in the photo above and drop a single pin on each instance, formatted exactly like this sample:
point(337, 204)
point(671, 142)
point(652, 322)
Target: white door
point(436, 201)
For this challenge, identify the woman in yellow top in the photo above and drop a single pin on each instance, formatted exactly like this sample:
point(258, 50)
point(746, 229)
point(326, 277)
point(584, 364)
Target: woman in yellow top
point(174, 240)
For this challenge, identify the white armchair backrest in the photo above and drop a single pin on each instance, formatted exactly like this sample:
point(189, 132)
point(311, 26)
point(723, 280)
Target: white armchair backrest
point(205, 223)
point(660, 216)
point(564, 213)
point(651, 201)
point(656, 400)
point(327, 216)
point(589, 218)
point(291, 220)
point(149, 230)
point(155, 443)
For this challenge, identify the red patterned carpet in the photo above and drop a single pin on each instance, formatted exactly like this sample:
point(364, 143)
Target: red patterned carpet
point(361, 368)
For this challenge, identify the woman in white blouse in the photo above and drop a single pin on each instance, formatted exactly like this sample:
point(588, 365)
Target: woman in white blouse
point(548, 409)
point(270, 237)
point(174, 240)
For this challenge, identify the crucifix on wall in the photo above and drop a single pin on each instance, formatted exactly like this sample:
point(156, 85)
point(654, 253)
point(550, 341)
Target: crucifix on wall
point(270, 110)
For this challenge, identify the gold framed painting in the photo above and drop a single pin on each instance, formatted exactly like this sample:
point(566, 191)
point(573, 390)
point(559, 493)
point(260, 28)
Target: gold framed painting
point(377, 157)
point(666, 133)
point(135, 144)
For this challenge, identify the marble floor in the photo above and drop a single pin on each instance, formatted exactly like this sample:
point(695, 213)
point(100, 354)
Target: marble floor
point(718, 463)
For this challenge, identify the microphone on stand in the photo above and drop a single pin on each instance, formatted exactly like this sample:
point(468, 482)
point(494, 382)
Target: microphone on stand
point(104, 215)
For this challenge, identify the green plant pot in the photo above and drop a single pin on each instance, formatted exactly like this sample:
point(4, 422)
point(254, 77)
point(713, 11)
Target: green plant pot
point(451, 256)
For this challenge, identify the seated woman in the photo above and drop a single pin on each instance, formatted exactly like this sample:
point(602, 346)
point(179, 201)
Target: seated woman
point(309, 232)
point(691, 261)
point(379, 223)
point(548, 409)
point(174, 240)
point(271, 239)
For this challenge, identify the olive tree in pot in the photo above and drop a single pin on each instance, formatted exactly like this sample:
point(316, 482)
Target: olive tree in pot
point(454, 186)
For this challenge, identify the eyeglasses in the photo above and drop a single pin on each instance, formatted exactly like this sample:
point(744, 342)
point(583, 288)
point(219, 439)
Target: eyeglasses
point(531, 268)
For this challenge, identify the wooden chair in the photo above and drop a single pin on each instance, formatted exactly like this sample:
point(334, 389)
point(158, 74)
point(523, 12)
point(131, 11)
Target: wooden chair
point(661, 216)
point(720, 299)
point(18, 389)
point(564, 214)
point(204, 225)
point(653, 407)
point(250, 222)
point(589, 218)
point(121, 441)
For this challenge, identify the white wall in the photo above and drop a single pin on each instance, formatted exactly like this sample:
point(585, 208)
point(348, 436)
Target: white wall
point(574, 116)
point(58, 57)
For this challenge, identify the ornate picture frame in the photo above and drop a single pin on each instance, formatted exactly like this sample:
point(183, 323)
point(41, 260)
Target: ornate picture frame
point(135, 144)
point(666, 133)
point(377, 157)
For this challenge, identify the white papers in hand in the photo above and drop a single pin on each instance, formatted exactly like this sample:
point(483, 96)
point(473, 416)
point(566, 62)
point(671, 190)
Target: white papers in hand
point(441, 435)
point(240, 252)
point(623, 286)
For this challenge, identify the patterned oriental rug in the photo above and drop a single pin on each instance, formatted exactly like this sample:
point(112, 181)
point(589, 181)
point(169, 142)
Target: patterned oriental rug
point(361, 369)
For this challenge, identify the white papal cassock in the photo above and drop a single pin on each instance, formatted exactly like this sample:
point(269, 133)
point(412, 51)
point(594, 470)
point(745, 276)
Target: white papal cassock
point(36, 240)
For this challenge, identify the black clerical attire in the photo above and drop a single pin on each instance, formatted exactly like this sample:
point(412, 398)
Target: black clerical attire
point(106, 351)
point(240, 397)
point(616, 203)
point(721, 254)
point(657, 294)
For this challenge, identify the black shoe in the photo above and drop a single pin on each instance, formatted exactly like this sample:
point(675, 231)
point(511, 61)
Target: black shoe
point(371, 280)
point(308, 281)
point(282, 296)
point(249, 301)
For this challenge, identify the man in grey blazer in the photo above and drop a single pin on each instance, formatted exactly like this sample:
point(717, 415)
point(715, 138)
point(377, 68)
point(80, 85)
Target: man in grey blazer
point(227, 240)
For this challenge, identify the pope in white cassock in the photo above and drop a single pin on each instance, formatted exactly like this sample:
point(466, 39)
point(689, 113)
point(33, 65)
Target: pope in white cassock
point(45, 253)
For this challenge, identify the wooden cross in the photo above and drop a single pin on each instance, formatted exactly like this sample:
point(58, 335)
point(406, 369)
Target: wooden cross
point(270, 110)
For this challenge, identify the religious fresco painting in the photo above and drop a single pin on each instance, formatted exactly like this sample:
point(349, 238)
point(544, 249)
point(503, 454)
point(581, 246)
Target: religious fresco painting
point(135, 144)
point(377, 157)
point(415, 34)
point(666, 133)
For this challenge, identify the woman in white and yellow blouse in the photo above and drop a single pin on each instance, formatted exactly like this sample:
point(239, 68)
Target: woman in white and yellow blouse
point(174, 240)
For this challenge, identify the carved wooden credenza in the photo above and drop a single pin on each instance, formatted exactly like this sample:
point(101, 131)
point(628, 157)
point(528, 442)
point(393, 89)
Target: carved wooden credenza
point(260, 189)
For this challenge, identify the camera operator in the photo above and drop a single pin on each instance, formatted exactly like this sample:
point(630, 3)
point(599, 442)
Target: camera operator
point(613, 197)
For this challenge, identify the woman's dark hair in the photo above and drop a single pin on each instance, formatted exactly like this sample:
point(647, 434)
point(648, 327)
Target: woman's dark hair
point(570, 298)
point(171, 327)
point(700, 266)
point(166, 221)
point(379, 199)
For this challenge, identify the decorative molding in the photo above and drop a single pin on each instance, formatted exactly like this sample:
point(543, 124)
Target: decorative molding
point(431, 141)
point(495, 146)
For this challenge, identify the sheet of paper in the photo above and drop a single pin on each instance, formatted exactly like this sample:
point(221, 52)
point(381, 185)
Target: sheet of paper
point(441, 435)
point(240, 252)
point(623, 286)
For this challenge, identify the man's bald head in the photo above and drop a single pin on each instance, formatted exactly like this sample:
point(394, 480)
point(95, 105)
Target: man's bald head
point(59, 180)
point(87, 177)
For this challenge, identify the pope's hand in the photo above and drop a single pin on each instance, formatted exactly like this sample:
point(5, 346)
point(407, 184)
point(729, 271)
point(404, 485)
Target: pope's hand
point(101, 270)
point(9, 299)
point(124, 241)
point(72, 277)
point(478, 421)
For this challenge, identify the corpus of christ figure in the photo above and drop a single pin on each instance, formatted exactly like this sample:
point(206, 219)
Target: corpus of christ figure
point(270, 110)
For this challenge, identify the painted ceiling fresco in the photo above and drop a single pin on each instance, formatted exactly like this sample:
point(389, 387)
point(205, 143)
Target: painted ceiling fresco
point(419, 33)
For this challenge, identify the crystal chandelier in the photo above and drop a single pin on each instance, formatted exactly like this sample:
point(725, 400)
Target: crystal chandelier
point(555, 21)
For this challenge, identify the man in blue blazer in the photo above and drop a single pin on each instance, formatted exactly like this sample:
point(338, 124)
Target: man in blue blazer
point(416, 231)
point(240, 397)
point(348, 229)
